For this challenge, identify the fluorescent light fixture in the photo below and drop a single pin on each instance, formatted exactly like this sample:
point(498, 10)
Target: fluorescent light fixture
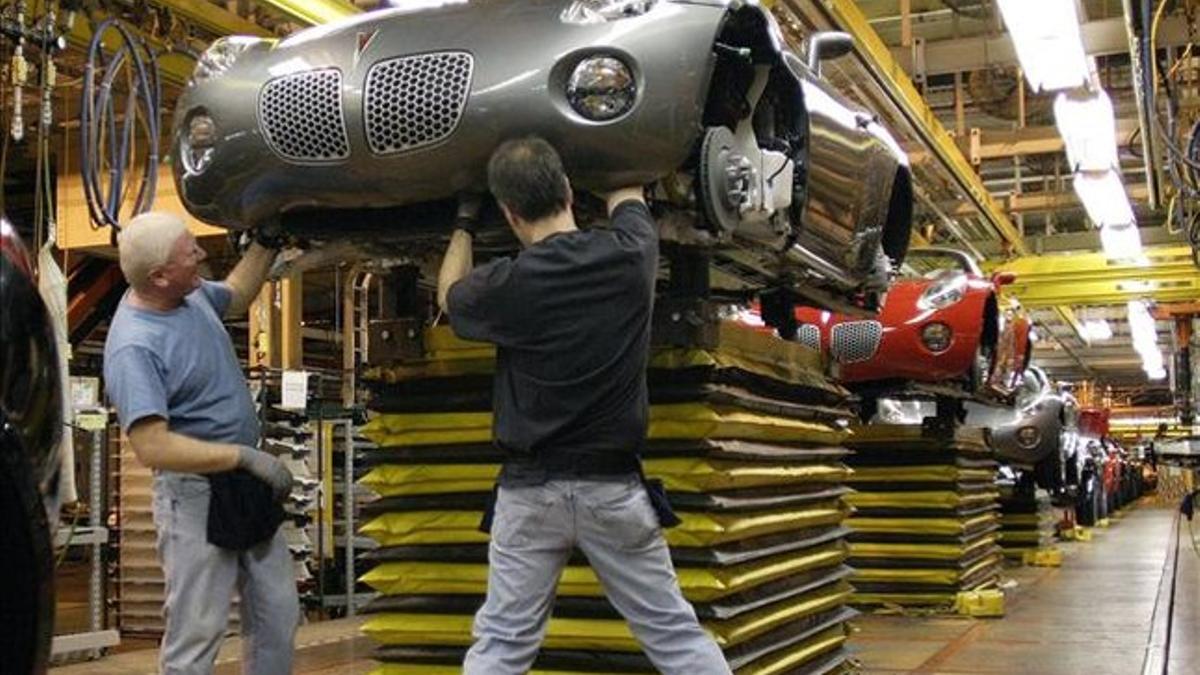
point(1152, 363)
point(1141, 324)
point(1086, 123)
point(1145, 339)
point(1048, 43)
point(1122, 242)
point(1102, 194)
point(1097, 330)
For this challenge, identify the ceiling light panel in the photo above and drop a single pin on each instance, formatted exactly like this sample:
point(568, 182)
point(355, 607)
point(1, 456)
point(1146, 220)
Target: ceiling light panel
point(1048, 43)
point(1086, 123)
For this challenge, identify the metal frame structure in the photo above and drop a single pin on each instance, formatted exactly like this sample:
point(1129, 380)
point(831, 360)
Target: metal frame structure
point(97, 638)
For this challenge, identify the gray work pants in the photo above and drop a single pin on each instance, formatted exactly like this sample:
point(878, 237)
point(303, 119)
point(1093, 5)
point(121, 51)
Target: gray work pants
point(615, 526)
point(200, 581)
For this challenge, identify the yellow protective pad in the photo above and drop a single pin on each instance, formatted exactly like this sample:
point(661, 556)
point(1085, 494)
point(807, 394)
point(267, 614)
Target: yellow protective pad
point(917, 500)
point(936, 526)
point(599, 634)
point(685, 474)
point(1027, 519)
point(688, 421)
point(1022, 537)
point(945, 577)
point(919, 474)
point(778, 662)
point(919, 551)
point(699, 584)
point(696, 529)
point(901, 437)
point(787, 660)
point(906, 599)
point(739, 347)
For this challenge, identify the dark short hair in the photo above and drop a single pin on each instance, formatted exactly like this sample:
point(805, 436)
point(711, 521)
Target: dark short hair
point(526, 175)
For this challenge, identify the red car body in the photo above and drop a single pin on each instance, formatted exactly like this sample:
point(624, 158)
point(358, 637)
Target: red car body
point(1094, 422)
point(891, 347)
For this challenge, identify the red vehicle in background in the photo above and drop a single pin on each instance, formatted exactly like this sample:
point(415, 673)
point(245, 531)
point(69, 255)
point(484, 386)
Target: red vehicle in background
point(1110, 476)
point(941, 323)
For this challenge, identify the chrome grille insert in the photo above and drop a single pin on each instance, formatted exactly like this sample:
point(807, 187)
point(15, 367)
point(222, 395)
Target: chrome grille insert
point(301, 116)
point(415, 101)
point(809, 336)
point(855, 341)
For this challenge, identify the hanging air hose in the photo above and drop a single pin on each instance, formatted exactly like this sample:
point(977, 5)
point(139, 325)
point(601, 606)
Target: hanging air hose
point(107, 147)
point(1191, 222)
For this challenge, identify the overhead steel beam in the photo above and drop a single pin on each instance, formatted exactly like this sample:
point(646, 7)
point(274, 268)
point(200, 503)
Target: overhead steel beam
point(1067, 315)
point(176, 67)
point(1126, 359)
point(1006, 143)
point(314, 12)
point(1090, 240)
point(1035, 202)
point(1093, 279)
point(213, 18)
point(887, 73)
point(1170, 312)
point(1100, 38)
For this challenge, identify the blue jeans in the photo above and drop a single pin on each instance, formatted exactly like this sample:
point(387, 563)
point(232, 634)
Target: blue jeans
point(200, 581)
point(613, 523)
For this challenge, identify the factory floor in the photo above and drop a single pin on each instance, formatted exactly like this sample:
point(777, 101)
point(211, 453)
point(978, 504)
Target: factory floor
point(1095, 614)
point(1101, 613)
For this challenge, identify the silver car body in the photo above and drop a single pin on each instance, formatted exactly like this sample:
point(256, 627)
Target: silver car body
point(1034, 428)
point(347, 130)
point(1049, 416)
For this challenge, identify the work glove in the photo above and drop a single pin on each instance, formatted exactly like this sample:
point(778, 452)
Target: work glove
point(270, 237)
point(268, 468)
point(467, 216)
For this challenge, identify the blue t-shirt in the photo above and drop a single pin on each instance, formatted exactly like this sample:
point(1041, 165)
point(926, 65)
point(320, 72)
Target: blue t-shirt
point(180, 365)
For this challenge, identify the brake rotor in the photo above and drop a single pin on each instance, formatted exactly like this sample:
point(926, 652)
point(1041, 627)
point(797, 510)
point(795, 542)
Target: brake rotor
point(718, 156)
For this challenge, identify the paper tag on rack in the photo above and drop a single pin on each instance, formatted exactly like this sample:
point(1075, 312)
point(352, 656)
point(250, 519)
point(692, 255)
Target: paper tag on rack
point(295, 390)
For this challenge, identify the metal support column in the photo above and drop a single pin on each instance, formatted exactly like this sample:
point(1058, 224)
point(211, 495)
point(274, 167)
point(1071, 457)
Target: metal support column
point(95, 515)
point(348, 504)
point(92, 643)
point(291, 316)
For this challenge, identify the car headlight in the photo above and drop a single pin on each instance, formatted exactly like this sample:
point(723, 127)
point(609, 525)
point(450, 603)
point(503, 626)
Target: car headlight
point(196, 146)
point(936, 336)
point(943, 292)
point(1028, 437)
point(221, 55)
point(603, 11)
point(601, 88)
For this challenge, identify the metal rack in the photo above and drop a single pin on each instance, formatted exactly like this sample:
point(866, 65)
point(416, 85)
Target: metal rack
point(90, 644)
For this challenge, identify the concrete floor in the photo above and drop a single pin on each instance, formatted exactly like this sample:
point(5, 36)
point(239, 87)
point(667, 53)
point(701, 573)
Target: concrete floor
point(1092, 615)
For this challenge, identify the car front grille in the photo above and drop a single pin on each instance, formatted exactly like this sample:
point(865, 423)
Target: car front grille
point(855, 341)
point(415, 101)
point(301, 116)
point(809, 336)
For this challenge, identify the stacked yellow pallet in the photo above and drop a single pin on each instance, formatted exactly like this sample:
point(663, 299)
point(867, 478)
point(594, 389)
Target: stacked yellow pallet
point(1027, 522)
point(747, 438)
point(925, 523)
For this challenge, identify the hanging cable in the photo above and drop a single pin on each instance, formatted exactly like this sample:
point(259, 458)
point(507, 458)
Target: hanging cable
point(107, 153)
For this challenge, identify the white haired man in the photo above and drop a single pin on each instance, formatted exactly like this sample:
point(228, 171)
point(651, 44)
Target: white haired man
point(171, 371)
